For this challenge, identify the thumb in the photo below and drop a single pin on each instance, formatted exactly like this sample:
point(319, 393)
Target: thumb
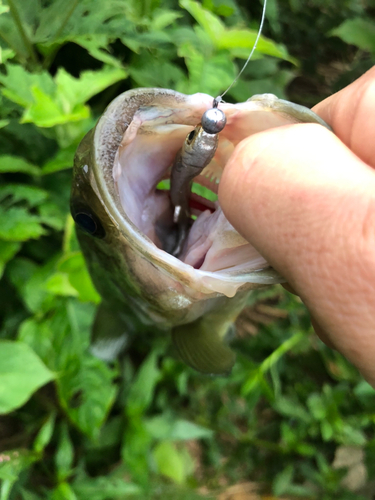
point(307, 204)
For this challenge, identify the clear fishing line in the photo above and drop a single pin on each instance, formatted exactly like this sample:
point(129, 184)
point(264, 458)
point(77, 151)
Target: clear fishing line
point(213, 120)
point(219, 98)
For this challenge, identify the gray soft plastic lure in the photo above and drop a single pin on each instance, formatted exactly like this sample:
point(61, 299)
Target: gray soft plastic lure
point(196, 153)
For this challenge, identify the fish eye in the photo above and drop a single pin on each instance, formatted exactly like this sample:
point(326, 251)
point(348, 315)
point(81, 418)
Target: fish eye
point(190, 137)
point(88, 222)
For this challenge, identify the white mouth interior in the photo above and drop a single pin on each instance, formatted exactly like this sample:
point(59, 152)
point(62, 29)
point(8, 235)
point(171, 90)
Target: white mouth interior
point(144, 158)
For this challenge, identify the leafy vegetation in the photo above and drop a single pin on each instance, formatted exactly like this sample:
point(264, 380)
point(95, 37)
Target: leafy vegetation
point(74, 427)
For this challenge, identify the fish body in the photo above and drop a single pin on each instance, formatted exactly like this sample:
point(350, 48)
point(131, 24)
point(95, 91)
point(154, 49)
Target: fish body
point(125, 223)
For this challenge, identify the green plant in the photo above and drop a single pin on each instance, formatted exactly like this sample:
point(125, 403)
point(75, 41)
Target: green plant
point(72, 426)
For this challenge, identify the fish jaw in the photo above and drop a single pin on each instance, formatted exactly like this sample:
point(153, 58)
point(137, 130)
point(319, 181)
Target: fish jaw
point(158, 133)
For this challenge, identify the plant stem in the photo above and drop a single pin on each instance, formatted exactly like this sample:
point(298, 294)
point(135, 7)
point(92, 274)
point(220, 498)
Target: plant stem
point(257, 375)
point(11, 46)
point(6, 487)
point(286, 346)
point(17, 20)
point(48, 60)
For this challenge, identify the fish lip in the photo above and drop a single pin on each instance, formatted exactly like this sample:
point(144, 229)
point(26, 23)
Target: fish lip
point(113, 125)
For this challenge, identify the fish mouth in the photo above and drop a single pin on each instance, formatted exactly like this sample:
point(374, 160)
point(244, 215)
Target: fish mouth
point(215, 257)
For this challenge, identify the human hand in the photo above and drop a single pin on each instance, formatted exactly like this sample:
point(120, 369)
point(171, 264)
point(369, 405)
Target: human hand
point(305, 198)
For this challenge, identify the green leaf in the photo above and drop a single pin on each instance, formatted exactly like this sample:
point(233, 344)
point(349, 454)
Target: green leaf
point(73, 264)
point(275, 84)
point(45, 434)
point(53, 17)
point(353, 436)
point(82, 18)
point(170, 461)
point(10, 164)
point(18, 224)
point(96, 46)
point(29, 12)
point(136, 449)
point(18, 84)
point(46, 111)
point(58, 284)
point(283, 481)
point(206, 74)
point(151, 72)
point(21, 374)
point(326, 430)
point(209, 22)
point(142, 389)
point(49, 102)
point(245, 39)
point(290, 407)
point(359, 32)
point(63, 492)
point(27, 495)
point(3, 8)
point(317, 407)
point(5, 55)
point(85, 384)
point(105, 488)
point(10, 33)
point(29, 280)
point(231, 38)
point(12, 463)
point(163, 18)
point(363, 390)
point(53, 215)
point(32, 195)
point(65, 454)
point(8, 250)
point(164, 427)
point(87, 393)
point(61, 161)
point(73, 91)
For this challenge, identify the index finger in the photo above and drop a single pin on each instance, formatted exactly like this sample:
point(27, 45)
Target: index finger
point(351, 114)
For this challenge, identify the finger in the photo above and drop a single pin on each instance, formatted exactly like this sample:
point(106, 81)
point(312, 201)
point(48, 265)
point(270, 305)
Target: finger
point(289, 288)
point(350, 113)
point(321, 333)
point(306, 202)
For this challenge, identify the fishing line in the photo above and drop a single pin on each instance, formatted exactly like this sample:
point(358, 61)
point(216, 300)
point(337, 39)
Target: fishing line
point(220, 97)
point(200, 147)
point(213, 120)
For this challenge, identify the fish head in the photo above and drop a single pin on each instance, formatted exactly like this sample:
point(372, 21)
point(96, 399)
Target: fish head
point(123, 219)
point(198, 147)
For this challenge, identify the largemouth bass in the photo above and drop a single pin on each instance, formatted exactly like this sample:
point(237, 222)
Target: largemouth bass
point(125, 224)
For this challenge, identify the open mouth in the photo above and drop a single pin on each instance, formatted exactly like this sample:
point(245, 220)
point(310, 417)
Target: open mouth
point(202, 198)
point(141, 172)
point(137, 141)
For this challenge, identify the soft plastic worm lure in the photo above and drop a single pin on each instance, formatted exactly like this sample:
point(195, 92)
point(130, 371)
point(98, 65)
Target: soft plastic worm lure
point(196, 153)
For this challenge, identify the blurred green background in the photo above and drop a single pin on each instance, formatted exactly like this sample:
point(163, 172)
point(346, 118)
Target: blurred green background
point(294, 419)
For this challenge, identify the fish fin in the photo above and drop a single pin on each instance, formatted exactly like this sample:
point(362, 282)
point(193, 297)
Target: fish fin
point(203, 348)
